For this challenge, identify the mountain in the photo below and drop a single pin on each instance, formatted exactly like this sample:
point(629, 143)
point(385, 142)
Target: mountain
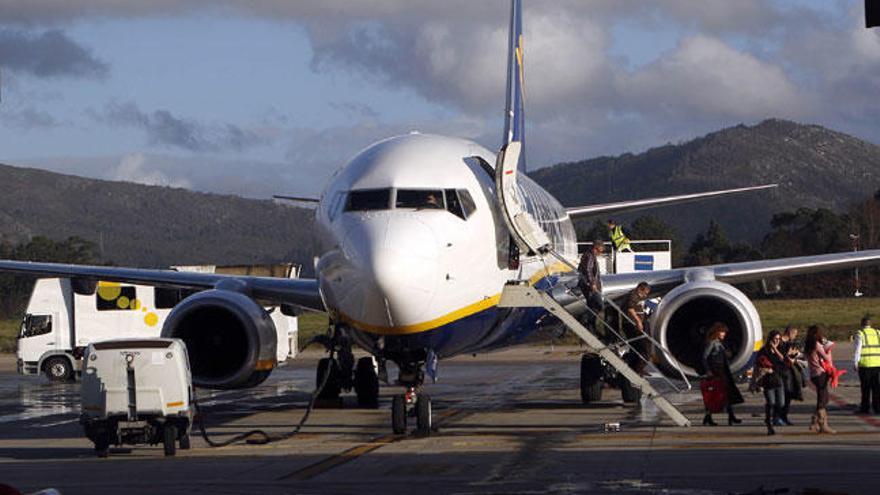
point(814, 167)
point(138, 225)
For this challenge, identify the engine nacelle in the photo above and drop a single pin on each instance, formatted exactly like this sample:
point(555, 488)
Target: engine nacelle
point(685, 314)
point(230, 339)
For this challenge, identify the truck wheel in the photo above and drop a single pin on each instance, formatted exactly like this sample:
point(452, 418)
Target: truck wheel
point(58, 369)
point(169, 436)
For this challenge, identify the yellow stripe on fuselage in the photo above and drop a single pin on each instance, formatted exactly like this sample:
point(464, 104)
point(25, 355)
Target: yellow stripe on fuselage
point(453, 316)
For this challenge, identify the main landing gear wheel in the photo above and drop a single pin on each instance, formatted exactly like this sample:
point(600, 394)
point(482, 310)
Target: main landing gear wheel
point(332, 386)
point(423, 415)
point(629, 393)
point(102, 447)
point(398, 415)
point(591, 374)
point(169, 436)
point(366, 383)
point(184, 441)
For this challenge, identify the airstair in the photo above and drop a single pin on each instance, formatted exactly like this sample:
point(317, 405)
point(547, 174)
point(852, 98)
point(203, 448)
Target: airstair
point(519, 294)
point(531, 238)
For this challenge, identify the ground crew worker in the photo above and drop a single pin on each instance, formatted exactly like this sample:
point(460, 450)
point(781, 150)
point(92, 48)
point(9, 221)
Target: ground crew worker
point(590, 281)
point(866, 360)
point(618, 238)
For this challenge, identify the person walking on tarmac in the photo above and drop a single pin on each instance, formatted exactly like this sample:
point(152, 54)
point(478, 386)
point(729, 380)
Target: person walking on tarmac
point(635, 326)
point(618, 238)
point(717, 366)
point(794, 378)
point(817, 356)
point(770, 374)
point(590, 281)
point(866, 360)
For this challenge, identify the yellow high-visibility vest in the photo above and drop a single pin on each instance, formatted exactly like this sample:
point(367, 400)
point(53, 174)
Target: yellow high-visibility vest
point(870, 355)
point(619, 239)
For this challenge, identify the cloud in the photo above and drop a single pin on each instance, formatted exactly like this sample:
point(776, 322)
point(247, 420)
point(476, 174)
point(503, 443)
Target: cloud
point(165, 129)
point(705, 76)
point(27, 119)
point(50, 54)
point(132, 168)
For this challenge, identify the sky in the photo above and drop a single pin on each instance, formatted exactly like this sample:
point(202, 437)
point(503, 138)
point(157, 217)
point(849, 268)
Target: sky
point(265, 97)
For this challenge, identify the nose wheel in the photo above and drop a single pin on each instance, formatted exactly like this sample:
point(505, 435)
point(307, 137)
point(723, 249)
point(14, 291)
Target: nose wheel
point(409, 404)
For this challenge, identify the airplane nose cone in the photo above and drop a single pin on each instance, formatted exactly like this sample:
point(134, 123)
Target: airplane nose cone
point(397, 260)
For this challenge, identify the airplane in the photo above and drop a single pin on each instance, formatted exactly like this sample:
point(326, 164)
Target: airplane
point(420, 233)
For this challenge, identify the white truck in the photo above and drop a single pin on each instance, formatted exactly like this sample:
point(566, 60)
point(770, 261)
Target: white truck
point(59, 323)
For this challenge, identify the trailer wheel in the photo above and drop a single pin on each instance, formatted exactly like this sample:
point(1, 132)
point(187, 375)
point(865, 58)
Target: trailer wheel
point(58, 369)
point(169, 436)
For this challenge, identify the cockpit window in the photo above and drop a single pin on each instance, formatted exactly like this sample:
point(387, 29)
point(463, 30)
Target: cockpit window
point(467, 202)
point(368, 199)
point(453, 205)
point(420, 199)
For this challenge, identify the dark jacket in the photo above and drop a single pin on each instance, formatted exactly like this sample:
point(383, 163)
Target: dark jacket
point(715, 362)
point(589, 270)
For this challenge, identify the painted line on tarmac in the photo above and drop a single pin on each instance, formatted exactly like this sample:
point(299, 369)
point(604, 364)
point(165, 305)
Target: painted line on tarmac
point(336, 460)
point(867, 419)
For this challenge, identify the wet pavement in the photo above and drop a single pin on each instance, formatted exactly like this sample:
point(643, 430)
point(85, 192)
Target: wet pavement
point(508, 423)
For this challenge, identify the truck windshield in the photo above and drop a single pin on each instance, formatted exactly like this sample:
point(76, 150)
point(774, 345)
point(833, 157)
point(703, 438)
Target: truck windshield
point(34, 325)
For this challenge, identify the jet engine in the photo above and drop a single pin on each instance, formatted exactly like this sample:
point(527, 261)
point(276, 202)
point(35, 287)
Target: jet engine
point(683, 318)
point(230, 339)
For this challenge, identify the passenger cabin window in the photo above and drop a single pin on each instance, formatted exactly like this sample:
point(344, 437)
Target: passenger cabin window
point(368, 199)
point(34, 325)
point(116, 298)
point(420, 199)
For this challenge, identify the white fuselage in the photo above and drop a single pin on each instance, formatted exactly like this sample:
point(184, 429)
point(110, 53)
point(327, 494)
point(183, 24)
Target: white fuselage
point(394, 267)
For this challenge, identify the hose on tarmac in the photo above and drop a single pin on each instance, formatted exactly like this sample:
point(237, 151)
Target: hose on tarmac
point(258, 436)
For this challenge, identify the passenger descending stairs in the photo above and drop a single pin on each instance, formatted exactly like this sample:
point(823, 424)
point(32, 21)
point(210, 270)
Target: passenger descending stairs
point(517, 294)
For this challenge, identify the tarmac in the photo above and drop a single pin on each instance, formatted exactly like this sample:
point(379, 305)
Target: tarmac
point(510, 422)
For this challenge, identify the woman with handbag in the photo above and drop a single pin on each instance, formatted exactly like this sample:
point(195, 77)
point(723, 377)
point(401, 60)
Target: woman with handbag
point(717, 366)
point(770, 374)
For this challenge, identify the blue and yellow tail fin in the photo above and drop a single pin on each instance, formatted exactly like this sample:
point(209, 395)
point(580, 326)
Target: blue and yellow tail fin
point(514, 121)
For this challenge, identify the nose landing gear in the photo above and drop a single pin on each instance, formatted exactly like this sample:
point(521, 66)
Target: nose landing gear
point(415, 404)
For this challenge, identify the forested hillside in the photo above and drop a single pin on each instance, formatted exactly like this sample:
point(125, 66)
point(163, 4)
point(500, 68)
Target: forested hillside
point(137, 225)
point(814, 167)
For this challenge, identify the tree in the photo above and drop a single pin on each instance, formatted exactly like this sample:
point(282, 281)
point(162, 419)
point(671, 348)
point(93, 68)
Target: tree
point(648, 227)
point(15, 289)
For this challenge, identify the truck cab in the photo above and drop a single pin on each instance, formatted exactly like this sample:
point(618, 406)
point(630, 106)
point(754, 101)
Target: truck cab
point(44, 339)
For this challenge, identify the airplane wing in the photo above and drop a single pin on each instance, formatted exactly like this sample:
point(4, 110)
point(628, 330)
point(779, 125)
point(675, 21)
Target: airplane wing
point(747, 271)
point(639, 204)
point(300, 292)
